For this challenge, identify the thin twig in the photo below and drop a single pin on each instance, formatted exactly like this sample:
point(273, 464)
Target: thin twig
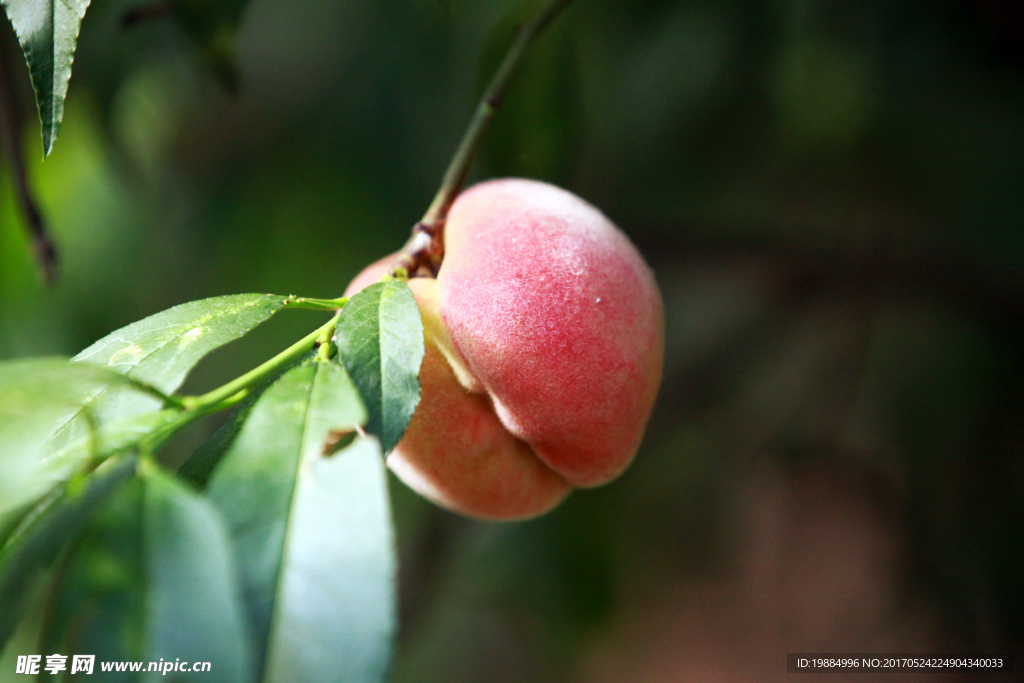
point(10, 128)
point(425, 250)
point(262, 372)
point(316, 304)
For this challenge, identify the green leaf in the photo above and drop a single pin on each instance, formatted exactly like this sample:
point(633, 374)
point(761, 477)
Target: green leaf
point(105, 441)
point(192, 603)
point(98, 593)
point(48, 31)
point(161, 350)
point(312, 533)
point(152, 578)
point(37, 396)
point(45, 532)
point(26, 637)
point(380, 339)
point(11, 520)
point(200, 465)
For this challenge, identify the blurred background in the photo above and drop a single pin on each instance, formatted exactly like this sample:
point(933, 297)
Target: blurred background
point(831, 195)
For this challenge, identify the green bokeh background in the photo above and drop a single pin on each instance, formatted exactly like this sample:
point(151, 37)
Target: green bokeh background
point(831, 195)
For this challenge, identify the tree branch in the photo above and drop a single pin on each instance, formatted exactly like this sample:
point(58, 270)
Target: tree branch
point(425, 248)
point(10, 133)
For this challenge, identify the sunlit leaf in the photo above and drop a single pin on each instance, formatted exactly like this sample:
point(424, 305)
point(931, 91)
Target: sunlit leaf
point(105, 440)
point(37, 396)
point(312, 534)
point(48, 32)
point(380, 340)
point(161, 350)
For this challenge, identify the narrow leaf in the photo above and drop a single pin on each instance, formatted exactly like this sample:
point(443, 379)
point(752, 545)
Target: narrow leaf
point(336, 601)
point(192, 609)
point(32, 548)
point(48, 32)
point(37, 396)
point(104, 441)
point(161, 350)
point(380, 340)
point(312, 534)
point(152, 579)
point(200, 465)
point(98, 594)
point(11, 520)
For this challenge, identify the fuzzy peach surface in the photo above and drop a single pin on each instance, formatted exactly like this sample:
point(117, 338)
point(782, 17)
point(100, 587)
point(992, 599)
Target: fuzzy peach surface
point(544, 332)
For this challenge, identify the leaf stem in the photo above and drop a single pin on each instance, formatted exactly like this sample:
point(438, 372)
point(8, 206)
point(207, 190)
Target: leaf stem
point(152, 442)
point(167, 399)
point(227, 395)
point(425, 246)
point(316, 304)
point(261, 372)
point(196, 407)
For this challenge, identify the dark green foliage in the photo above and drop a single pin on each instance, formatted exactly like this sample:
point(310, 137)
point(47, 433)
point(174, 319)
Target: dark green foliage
point(380, 340)
point(214, 26)
point(43, 535)
point(298, 510)
point(152, 579)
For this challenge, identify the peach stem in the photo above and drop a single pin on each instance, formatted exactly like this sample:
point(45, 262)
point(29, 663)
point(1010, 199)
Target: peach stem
point(425, 249)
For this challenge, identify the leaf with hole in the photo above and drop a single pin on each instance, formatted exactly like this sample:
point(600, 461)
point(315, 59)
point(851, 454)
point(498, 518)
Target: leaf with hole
point(312, 534)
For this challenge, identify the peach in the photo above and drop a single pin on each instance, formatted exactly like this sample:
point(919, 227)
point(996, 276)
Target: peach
point(544, 336)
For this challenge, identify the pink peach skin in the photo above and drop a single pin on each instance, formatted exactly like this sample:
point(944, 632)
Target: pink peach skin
point(544, 335)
